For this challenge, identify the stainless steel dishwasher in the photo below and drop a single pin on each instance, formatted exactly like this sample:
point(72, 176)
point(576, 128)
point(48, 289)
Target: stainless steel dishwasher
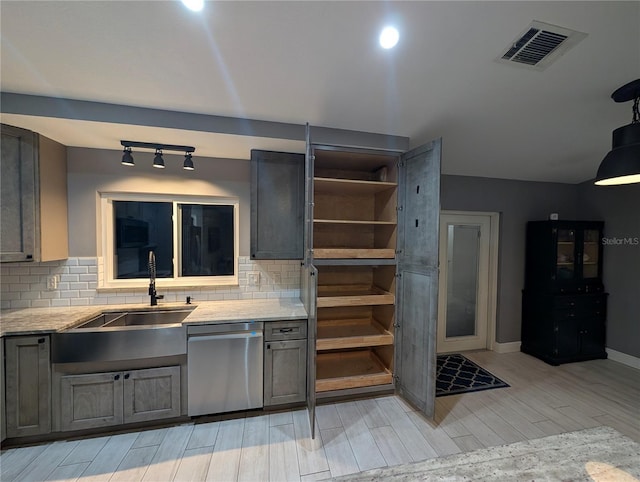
point(224, 367)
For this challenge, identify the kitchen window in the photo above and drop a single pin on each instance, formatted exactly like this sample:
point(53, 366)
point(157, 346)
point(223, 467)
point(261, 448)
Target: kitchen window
point(194, 240)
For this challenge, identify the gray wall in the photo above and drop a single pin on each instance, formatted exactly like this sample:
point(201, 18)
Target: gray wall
point(619, 207)
point(517, 202)
point(91, 171)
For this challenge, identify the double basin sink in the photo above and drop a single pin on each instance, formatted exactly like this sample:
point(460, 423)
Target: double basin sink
point(123, 335)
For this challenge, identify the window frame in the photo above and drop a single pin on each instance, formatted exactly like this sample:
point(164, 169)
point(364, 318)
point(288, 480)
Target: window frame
point(107, 240)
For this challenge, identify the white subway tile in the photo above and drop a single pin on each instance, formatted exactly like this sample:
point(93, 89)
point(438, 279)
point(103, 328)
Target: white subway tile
point(19, 287)
point(30, 295)
point(29, 279)
point(69, 294)
point(78, 286)
point(78, 270)
point(72, 262)
point(19, 270)
point(20, 303)
point(80, 302)
point(87, 277)
point(87, 261)
point(40, 303)
point(69, 278)
point(49, 295)
point(231, 296)
point(63, 286)
point(61, 302)
point(39, 270)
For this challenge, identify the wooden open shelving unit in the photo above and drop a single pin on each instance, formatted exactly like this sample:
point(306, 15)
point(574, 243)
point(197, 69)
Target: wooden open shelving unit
point(350, 369)
point(354, 235)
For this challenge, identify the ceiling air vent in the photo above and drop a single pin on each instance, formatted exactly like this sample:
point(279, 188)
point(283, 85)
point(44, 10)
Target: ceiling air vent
point(539, 45)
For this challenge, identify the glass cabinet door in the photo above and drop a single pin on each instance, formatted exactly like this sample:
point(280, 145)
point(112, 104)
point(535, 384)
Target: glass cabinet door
point(590, 253)
point(565, 265)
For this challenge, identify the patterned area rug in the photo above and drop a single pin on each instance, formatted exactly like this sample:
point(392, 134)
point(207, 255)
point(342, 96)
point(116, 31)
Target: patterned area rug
point(457, 374)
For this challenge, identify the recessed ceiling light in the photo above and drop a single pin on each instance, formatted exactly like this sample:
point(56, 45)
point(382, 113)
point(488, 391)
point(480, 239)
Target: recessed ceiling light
point(195, 5)
point(389, 37)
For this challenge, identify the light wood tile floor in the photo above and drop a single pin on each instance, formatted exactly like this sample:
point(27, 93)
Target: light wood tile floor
point(353, 436)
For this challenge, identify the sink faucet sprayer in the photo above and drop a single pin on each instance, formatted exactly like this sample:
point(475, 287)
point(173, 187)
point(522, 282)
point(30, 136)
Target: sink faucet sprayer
point(152, 280)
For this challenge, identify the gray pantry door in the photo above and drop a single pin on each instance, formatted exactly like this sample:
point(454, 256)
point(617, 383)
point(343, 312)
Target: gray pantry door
point(309, 281)
point(417, 281)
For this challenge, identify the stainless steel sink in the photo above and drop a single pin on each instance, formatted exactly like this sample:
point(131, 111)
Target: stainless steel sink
point(123, 335)
point(111, 319)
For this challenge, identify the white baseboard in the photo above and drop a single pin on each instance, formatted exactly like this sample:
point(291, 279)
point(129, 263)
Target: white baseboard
point(510, 347)
point(623, 358)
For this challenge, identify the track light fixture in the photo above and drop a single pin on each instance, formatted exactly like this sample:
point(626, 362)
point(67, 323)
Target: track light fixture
point(158, 161)
point(622, 164)
point(127, 158)
point(188, 162)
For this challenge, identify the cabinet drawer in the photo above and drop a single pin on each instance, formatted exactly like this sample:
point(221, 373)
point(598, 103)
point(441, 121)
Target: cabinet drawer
point(580, 303)
point(285, 330)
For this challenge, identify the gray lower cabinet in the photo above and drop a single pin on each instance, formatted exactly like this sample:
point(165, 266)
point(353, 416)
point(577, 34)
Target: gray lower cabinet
point(28, 385)
point(285, 363)
point(277, 205)
point(113, 398)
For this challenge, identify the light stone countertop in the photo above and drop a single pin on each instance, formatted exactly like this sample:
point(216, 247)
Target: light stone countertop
point(30, 321)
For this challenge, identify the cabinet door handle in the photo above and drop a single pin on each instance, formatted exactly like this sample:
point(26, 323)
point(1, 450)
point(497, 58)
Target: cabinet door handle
point(40, 340)
point(285, 330)
point(126, 377)
point(268, 346)
point(117, 377)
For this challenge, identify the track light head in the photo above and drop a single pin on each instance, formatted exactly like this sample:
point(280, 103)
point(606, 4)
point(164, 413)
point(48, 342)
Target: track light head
point(188, 162)
point(127, 158)
point(158, 161)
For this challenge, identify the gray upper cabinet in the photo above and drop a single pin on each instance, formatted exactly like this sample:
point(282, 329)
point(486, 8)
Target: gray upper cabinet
point(33, 197)
point(277, 205)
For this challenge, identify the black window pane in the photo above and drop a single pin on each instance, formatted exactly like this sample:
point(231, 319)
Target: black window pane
point(142, 227)
point(207, 240)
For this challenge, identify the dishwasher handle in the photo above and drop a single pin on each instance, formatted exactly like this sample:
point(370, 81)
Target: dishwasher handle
point(227, 336)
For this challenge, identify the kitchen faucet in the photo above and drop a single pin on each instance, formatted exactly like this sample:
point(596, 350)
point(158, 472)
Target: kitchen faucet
point(152, 280)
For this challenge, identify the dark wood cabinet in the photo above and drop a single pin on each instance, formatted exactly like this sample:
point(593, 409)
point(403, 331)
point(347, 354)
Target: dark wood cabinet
point(564, 256)
point(277, 205)
point(564, 306)
point(561, 328)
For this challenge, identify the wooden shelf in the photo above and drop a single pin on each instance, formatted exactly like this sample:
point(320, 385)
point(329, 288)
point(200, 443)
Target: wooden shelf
point(353, 369)
point(353, 253)
point(353, 221)
point(326, 185)
point(353, 295)
point(351, 333)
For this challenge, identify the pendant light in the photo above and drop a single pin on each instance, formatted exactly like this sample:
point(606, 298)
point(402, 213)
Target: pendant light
point(622, 164)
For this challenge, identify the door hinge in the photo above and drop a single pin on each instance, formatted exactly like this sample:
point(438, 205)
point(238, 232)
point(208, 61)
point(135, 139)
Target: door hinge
point(396, 378)
point(398, 251)
point(399, 208)
point(398, 275)
point(396, 325)
point(400, 164)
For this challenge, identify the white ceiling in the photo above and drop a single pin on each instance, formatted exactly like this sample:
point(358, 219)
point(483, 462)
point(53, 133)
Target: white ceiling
point(319, 62)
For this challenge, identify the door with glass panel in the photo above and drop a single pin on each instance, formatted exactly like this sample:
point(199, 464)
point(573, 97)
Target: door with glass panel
point(464, 282)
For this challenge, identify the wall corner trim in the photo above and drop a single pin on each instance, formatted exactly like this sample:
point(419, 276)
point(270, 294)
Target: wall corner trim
point(629, 360)
point(509, 347)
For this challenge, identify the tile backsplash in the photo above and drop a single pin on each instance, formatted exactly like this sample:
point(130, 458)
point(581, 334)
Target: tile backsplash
point(28, 285)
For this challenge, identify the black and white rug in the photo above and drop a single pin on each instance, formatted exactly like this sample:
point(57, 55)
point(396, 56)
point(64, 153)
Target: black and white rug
point(457, 374)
